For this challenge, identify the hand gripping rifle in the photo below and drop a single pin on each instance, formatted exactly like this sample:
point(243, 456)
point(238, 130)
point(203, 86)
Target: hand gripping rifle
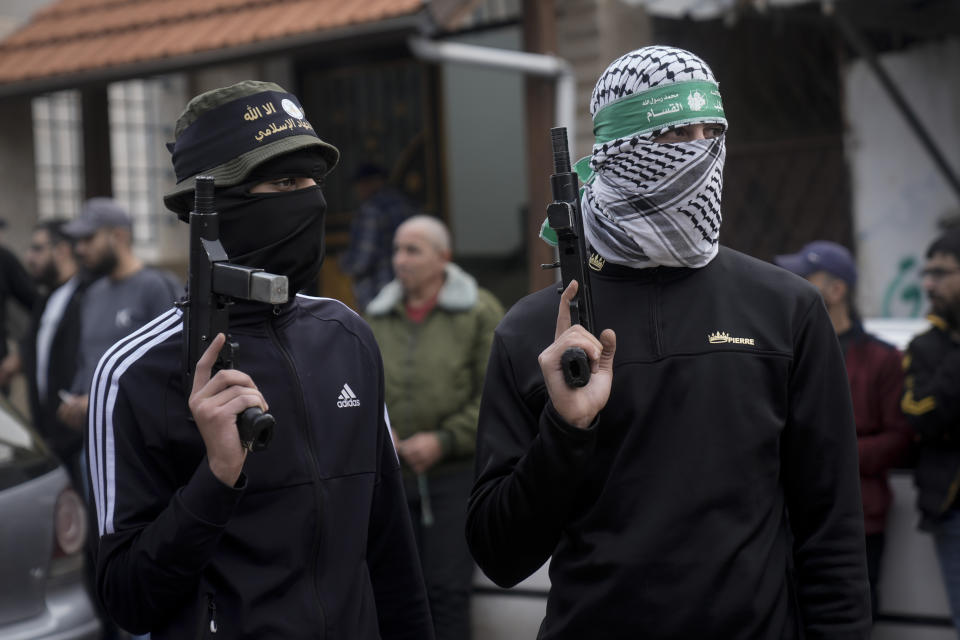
point(213, 285)
point(563, 215)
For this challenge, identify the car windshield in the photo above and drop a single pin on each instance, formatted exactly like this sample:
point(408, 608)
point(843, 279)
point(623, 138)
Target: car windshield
point(22, 454)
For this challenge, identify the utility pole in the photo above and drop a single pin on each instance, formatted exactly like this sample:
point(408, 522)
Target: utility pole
point(97, 164)
point(539, 36)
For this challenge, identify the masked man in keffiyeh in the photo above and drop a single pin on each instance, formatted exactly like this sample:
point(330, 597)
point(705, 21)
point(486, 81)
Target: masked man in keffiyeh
point(704, 483)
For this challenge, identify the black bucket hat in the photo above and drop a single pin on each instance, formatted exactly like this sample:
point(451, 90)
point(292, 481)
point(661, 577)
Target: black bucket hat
point(225, 133)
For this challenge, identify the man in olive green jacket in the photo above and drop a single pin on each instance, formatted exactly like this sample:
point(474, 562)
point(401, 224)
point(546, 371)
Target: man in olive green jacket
point(435, 327)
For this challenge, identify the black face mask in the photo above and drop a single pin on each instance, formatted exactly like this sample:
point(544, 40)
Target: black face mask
point(280, 233)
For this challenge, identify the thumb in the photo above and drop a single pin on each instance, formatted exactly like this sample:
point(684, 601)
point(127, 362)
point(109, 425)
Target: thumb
point(609, 341)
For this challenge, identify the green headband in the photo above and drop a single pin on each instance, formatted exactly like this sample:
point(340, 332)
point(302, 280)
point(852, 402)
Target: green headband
point(659, 108)
point(662, 107)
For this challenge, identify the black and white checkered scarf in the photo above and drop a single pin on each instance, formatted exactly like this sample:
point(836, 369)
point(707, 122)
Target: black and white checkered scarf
point(651, 204)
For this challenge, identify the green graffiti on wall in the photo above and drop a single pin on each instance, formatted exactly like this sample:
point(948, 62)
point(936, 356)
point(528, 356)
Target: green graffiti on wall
point(904, 290)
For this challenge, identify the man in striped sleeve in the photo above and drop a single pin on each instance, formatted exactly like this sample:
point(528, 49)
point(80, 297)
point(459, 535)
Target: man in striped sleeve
point(309, 538)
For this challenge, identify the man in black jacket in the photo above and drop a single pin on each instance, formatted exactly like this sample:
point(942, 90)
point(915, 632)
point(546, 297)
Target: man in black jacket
point(309, 538)
point(48, 353)
point(704, 483)
point(931, 403)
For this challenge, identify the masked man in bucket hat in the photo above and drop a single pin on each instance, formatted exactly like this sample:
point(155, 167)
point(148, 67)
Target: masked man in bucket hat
point(309, 538)
point(703, 484)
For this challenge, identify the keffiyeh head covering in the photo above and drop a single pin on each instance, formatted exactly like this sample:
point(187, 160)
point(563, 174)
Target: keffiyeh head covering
point(648, 204)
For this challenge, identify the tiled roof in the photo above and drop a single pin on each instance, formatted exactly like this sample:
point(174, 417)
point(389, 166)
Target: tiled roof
point(74, 36)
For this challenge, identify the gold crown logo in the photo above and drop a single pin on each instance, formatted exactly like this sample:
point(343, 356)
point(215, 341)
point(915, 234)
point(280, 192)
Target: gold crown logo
point(596, 262)
point(722, 337)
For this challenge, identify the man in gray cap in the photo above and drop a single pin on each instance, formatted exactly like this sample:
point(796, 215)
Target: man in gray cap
point(309, 537)
point(875, 374)
point(125, 295)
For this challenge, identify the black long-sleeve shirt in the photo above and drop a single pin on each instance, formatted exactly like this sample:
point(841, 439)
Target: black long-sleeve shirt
point(717, 494)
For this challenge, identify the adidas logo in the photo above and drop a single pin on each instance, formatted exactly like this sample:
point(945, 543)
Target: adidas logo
point(347, 397)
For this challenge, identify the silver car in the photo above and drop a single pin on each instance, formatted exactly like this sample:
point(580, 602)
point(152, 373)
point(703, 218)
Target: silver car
point(43, 529)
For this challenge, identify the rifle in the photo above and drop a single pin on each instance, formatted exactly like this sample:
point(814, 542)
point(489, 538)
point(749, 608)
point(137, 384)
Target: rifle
point(213, 284)
point(563, 215)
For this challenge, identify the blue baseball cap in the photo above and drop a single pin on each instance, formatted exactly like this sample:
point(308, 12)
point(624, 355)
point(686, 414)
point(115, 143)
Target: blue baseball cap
point(821, 255)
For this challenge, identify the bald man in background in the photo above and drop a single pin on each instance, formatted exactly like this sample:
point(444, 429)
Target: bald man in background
point(434, 326)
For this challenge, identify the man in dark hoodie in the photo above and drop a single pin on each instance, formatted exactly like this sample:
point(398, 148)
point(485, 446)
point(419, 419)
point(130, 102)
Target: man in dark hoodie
point(309, 537)
point(703, 484)
point(50, 351)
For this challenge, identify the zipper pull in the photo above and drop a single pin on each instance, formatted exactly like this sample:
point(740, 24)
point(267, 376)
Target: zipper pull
point(213, 614)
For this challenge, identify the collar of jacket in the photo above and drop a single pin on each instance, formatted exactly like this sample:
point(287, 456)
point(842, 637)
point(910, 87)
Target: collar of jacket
point(939, 322)
point(647, 275)
point(249, 314)
point(458, 293)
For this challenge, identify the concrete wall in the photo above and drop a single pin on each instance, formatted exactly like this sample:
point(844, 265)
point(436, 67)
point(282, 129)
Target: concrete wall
point(899, 196)
point(483, 133)
point(18, 206)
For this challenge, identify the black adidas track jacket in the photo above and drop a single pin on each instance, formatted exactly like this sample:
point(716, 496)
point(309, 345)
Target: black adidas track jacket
point(314, 542)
